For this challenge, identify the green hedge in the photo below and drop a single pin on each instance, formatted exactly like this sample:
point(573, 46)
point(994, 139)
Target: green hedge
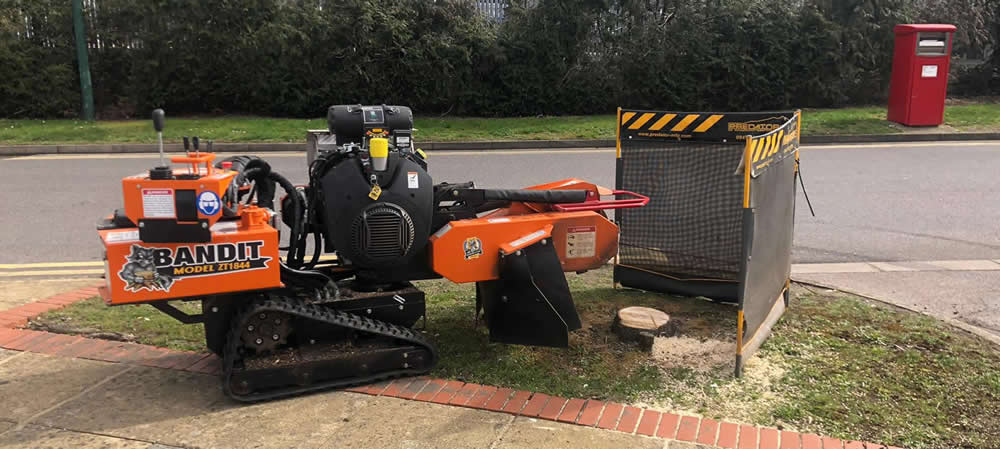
point(293, 58)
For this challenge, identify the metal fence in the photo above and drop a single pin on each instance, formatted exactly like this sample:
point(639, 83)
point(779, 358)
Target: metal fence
point(492, 9)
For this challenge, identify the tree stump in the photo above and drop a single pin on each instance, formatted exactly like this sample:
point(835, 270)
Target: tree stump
point(642, 325)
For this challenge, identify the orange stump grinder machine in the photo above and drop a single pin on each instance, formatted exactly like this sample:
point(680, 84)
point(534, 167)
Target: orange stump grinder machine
point(285, 323)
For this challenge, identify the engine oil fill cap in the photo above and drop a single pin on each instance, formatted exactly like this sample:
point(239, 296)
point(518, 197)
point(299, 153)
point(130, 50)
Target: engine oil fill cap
point(379, 149)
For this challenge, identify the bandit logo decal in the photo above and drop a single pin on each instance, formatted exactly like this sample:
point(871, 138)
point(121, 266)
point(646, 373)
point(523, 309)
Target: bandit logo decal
point(473, 248)
point(140, 272)
point(156, 269)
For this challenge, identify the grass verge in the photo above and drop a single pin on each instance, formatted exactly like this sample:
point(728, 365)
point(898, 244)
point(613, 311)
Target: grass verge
point(863, 120)
point(835, 365)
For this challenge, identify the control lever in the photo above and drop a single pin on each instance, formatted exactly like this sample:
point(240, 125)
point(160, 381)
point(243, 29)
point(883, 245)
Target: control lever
point(158, 118)
point(163, 171)
point(187, 144)
point(194, 140)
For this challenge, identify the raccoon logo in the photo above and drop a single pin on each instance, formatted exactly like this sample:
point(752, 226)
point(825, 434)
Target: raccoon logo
point(473, 248)
point(140, 271)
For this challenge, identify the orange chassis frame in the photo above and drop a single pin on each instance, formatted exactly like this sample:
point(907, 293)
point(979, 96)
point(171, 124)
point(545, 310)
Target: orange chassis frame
point(462, 251)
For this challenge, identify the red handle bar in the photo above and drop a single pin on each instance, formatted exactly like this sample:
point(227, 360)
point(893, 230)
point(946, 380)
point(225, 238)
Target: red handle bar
point(637, 200)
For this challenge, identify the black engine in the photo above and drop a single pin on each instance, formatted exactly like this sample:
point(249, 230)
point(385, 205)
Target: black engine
point(381, 233)
point(374, 200)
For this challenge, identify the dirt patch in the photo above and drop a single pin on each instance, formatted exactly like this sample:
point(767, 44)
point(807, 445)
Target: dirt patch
point(700, 355)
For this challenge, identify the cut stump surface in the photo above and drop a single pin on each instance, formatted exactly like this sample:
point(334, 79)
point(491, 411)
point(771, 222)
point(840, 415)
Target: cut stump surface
point(642, 325)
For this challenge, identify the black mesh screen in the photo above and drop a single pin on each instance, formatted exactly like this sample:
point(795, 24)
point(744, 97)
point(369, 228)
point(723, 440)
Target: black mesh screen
point(692, 226)
point(773, 199)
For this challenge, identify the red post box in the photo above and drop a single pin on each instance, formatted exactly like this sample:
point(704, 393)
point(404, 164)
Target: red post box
point(919, 81)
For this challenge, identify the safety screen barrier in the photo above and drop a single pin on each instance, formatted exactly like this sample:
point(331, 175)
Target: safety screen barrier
point(770, 169)
point(704, 182)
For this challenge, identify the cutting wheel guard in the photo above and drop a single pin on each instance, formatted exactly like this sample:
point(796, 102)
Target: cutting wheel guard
point(531, 303)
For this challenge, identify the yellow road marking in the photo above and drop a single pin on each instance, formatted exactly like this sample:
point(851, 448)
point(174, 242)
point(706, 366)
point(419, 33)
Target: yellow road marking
point(49, 273)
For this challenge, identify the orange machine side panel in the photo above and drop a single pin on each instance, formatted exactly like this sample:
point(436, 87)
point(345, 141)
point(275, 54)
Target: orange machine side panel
point(238, 258)
point(469, 250)
point(151, 198)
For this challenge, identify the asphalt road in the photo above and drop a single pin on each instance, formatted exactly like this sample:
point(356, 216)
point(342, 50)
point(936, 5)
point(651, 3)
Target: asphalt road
point(891, 202)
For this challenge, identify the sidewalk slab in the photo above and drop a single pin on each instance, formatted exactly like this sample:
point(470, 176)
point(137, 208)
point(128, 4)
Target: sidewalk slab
point(391, 422)
point(897, 266)
point(43, 437)
point(968, 265)
point(525, 433)
point(187, 409)
point(852, 267)
point(5, 354)
point(871, 267)
point(35, 382)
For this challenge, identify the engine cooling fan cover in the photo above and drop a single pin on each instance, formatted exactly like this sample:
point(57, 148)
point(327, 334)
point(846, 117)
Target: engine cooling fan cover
point(382, 233)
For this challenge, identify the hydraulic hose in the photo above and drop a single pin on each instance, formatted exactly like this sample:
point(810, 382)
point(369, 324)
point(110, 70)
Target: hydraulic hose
point(296, 246)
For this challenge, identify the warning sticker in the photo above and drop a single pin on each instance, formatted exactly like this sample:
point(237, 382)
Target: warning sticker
point(122, 236)
point(412, 180)
point(158, 203)
point(581, 241)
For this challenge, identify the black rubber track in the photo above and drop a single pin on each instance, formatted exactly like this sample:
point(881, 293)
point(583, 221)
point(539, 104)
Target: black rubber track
point(298, 308)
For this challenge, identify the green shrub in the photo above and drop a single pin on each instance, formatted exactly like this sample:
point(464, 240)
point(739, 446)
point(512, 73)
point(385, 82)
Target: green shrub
point(296, 57)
